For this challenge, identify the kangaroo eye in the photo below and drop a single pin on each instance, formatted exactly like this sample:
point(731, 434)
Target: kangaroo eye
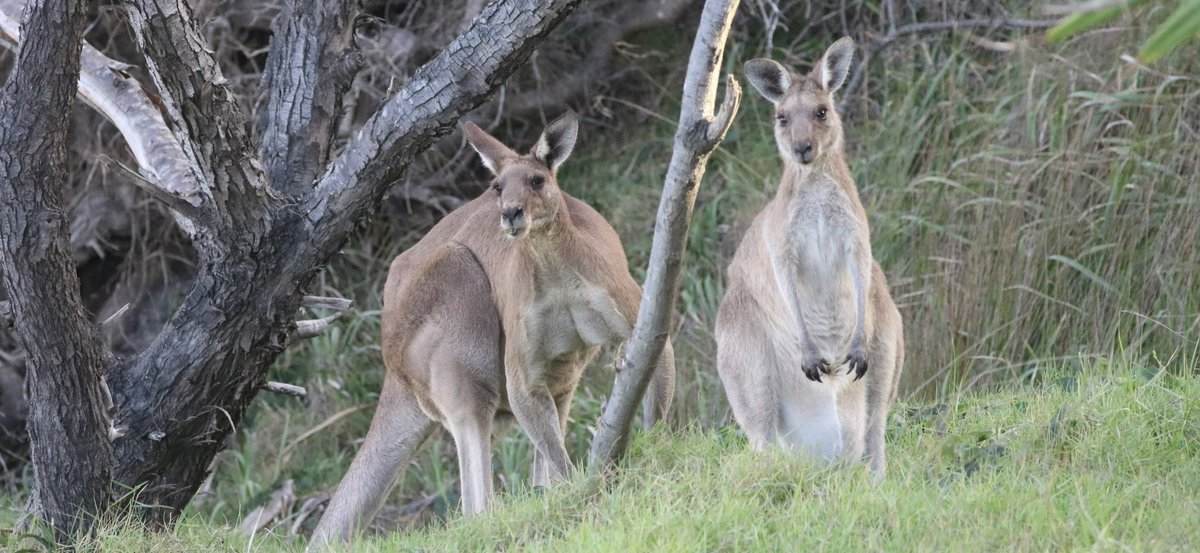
point(497, 187)
point(537, 182)
point(821, 113)
point(783, 120)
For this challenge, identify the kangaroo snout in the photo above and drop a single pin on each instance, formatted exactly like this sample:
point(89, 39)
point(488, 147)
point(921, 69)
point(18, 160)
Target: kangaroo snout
point(805, 152)
point(512, 219)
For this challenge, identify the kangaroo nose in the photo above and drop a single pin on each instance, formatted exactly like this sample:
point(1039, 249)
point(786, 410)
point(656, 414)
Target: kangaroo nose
point(805, 152)
point(512, 215)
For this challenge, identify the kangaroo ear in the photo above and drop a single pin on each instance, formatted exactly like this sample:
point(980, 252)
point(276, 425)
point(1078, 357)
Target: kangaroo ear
point(835, 64)
point(557, 140)
point(769, 78)
point(493, 153)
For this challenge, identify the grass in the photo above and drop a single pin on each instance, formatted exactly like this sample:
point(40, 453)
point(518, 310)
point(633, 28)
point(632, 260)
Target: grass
point(1096, 458)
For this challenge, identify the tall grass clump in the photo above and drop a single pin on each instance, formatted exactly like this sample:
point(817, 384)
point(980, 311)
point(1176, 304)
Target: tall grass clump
point(1036, 207)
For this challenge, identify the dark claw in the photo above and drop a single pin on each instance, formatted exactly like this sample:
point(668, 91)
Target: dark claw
point(858, 365)
point(814, 369)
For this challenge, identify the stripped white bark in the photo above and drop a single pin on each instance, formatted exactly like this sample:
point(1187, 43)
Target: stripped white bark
point(105, 85)
point(322, 302)
point(284, 388)
point(698, 134)
point(313, 327)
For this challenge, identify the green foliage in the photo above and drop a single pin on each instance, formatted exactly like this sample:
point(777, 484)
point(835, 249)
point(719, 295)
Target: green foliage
point(1182, 25)
point(1086, 19)
point(1179, 27)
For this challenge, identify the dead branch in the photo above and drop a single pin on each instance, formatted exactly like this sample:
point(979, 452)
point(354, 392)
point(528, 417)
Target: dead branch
point(311, 64)
point(105, 85)
point(874, 46)
point(313, 327)
point(281, 501)
point(284, 389)
point(698, 134)
point(322, 302)
point(5, 315)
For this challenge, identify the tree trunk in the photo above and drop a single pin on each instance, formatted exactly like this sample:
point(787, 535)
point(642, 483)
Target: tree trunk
point(66, 359)
point(262, 237)
point(697, 136)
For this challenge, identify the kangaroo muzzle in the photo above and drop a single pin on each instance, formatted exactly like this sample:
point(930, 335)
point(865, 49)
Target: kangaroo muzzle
point(513, 220)
point(805, 152)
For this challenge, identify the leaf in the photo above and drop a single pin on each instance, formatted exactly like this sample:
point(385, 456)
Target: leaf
point(1177, 29)
point(1081, 21)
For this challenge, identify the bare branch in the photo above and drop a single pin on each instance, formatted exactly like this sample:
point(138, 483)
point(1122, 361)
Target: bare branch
point(724, 119)
point(876, 45)
point(105, 85)
point(202, 108)
point(5, 315)
point(284, 389)
point(314, 327)
point(435, 97)
point(322, 302)
point(698, 134)
point(281, 502)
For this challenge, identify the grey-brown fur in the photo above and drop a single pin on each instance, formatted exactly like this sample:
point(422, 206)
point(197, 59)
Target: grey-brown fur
point(810, 344)
point(493, 315)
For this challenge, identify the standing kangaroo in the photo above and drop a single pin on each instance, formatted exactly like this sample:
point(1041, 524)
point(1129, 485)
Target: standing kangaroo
point(494, 314)
point(805, 297)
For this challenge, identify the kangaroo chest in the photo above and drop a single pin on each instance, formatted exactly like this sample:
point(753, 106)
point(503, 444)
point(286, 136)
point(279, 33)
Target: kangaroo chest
point(814, 259)
point(570, 314)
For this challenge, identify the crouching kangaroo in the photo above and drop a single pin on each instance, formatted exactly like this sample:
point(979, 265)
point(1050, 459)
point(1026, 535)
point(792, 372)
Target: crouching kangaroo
point(493, 315)
point(809, 342)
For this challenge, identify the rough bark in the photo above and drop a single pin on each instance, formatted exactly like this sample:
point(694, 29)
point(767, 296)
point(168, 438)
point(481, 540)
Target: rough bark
point(65, 357)
point(180, 397)
point(311, 65)
point(698, 134)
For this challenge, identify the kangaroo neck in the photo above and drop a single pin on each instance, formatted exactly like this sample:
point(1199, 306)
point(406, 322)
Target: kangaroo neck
point(551, 246)
point(829, 172)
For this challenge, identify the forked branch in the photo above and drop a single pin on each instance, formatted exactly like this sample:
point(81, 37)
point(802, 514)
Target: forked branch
point(698, 135)
point(876, 45)
point(105, 85)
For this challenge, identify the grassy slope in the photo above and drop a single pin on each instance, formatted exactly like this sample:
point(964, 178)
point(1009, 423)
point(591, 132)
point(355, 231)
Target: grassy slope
point(1102, 459)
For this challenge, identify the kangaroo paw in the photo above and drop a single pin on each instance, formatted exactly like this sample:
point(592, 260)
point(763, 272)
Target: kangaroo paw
point(858, 365)
point(814, 368)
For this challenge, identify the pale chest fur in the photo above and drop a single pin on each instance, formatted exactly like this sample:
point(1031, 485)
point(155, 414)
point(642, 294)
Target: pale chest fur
point(813, 256)
point(569, 314)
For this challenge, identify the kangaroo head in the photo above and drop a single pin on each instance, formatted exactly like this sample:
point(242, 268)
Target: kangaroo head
point(527, 192)
point(807, 125)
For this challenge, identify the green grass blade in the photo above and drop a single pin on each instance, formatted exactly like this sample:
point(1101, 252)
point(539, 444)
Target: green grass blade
point(1177, 29)
point(1081, 21)
point(1090, 274)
